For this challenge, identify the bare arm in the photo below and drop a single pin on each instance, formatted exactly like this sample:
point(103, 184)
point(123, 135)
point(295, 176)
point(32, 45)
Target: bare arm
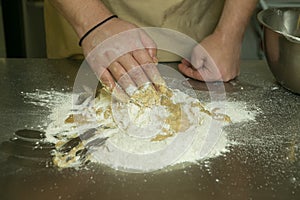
point(123, 47)
point(235, 17)
point(217, 57)
point(82, 14)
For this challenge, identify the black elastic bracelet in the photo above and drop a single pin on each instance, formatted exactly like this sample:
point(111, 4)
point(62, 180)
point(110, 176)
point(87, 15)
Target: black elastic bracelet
point(96, 26)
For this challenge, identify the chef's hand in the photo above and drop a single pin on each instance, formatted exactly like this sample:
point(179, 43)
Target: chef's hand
point(214, 59)
point(119, 52)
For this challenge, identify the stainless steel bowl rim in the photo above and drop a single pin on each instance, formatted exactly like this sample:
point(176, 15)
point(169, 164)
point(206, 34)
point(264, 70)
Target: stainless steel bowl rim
point(287, 35)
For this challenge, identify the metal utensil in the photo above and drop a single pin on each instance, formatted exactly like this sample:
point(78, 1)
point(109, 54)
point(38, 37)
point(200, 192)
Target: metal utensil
point(282, 51)
point(28, 145)
point(31, 145)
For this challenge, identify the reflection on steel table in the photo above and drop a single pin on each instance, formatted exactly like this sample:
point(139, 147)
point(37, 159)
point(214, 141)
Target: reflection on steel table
point(263, 165)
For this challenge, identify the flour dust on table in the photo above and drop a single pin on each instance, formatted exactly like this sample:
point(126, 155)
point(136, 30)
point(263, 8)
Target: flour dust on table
point(150, 130)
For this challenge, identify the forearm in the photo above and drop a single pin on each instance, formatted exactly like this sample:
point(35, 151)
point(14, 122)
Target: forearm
point(234, 19)
point(82, 14)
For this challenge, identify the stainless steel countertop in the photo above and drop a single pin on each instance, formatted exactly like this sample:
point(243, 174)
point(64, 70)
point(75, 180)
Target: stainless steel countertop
point(264, 165)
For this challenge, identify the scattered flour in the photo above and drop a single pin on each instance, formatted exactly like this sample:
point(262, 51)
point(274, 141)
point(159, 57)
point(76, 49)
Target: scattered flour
point(138, 139)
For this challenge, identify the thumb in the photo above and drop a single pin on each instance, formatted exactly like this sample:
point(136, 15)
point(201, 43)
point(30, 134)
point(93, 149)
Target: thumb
point(197, 62)
point(199, 56)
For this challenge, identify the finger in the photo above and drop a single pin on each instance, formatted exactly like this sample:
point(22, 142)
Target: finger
point(109, 83)
point(203, 74)
point(185, 62)
point(198, 63)
point(149, 44)
point(200, 57)
point(198, 60)
point(133, 69)
point(107, 80)
point(142, 56)
point(153, 74)
point(144, 59)
point(190, 72)
point(119, 94)
point(131, 66)
point(122, 77)
point(188, 64)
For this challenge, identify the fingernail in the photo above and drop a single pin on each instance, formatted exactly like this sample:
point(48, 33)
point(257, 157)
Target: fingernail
point(155, 60)
point(131, 89)
point(199, 64)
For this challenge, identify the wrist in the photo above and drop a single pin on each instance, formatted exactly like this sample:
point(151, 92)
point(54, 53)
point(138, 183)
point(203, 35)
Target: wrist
point(95, 27)
point(87, 21)
point(86, 14)
point(228, 35)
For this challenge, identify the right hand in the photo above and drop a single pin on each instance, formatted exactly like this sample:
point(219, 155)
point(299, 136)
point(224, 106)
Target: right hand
point(119, 52)
point(214, 59)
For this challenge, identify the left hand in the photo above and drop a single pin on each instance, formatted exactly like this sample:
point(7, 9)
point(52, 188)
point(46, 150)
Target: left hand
point(216, 58)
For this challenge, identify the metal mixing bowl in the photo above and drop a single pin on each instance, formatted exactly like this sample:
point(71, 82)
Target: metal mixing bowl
point(282, 44)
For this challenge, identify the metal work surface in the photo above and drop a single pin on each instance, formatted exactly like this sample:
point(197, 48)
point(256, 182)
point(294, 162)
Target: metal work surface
point(264, 163)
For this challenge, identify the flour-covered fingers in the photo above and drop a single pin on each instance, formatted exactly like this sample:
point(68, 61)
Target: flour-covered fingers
point(105, 78)
point(147, 62)
point(133, 69)
point(122, 77)
point(153, 74)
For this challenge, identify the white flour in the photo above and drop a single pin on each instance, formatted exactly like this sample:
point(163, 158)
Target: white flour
point(131, 143)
